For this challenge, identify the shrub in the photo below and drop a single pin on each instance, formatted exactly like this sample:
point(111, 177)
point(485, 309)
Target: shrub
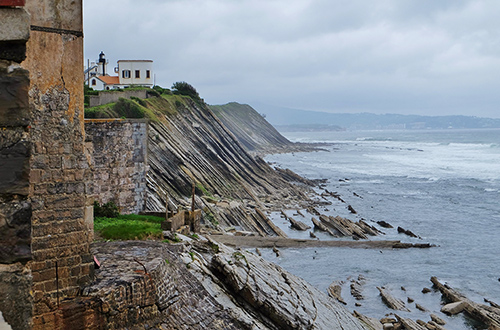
point(153, 93)
point(128, 109)
point(138, 100)
point(183, 88)
point(107, 210)
point(161, 90)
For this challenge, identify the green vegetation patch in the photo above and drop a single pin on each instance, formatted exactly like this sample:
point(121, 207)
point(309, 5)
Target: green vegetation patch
point(128, 227)
point(134, 108)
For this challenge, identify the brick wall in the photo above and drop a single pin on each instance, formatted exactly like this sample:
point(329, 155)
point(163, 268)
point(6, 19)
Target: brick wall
point(118, 150)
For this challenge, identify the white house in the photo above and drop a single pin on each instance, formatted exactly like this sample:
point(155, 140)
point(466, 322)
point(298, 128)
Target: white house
point(130, 73)
point(135, 72)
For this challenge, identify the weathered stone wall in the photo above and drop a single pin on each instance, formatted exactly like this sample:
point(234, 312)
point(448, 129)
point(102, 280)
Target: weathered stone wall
point(118, 150)
point(16, 303)
point(105, 97)
point(60, 243)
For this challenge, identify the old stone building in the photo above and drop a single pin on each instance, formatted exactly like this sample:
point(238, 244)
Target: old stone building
point(45, 215)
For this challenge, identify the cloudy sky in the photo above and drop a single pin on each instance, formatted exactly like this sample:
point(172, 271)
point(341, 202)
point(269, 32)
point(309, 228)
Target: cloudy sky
point(385, 56)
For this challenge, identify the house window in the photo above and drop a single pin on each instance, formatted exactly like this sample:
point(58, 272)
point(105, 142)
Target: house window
point(148, 74)
point(126, 73)
point(94, 82)
point(137, 73)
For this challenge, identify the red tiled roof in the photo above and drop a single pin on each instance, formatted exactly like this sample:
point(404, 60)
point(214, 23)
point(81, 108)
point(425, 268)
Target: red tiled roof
point(109, 80)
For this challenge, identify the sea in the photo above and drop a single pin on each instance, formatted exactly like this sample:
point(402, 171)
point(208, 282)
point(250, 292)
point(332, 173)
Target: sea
point(443, 185)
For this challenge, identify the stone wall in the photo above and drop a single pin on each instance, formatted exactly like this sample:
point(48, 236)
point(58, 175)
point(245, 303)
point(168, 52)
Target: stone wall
point(105, 97)
point(118, 150)
point(60, 236)
point(16, 303)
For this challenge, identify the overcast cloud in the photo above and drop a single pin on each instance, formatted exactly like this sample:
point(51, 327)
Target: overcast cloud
point(434, 57)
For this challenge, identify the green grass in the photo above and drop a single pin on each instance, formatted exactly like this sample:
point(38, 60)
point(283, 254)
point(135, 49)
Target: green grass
point(128, 227)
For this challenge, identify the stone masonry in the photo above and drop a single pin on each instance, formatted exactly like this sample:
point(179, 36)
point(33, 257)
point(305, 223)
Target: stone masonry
point(16, 304)
point(62, 262)
point(45, 216)
point(118, 150)
point(105, 97)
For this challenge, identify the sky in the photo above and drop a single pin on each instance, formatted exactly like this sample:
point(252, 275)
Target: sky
point(347, 56)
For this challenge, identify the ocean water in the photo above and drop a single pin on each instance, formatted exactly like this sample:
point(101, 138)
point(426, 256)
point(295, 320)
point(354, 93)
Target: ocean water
point(442, 185)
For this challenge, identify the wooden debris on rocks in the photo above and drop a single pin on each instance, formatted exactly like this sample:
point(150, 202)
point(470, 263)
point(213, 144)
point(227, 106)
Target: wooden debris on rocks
point(299, 225)
point(483, 313)
point(335, 291)
point(351, 209)
point(318, 225)
point(300, 213)
point(392, 302)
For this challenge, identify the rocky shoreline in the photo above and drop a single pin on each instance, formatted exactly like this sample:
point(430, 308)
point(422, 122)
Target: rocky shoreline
point(213, 282)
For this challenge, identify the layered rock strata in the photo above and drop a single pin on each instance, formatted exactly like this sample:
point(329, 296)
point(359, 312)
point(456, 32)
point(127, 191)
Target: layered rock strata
point(204, 285)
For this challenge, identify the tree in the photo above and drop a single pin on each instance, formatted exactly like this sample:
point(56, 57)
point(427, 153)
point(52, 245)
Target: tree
point(183, 88)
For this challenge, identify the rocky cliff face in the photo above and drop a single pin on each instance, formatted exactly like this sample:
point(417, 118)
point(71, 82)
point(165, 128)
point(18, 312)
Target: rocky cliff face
point(190, 145)
point(213, 287)
point(251, 128)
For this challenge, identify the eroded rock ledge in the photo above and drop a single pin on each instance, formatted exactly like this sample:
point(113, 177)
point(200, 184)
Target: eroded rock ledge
point(205, 285)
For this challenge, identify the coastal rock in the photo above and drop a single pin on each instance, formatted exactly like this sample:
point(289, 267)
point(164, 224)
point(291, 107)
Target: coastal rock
point(298, 304)
point(299, 225)
point(392, 302)
point(209, 156)
point(406, 232)
point(357, 289)
point(335, 291)
point(318, 225)
point(486, 314)
point(409, 324)
point(421, 308)
point(426, 290)
point(437, 319)
point(372, 323)
point(384, 224)
point(453, 308)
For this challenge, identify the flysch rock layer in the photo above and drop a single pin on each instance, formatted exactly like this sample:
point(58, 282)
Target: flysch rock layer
point(204, 285)
point(190, 145)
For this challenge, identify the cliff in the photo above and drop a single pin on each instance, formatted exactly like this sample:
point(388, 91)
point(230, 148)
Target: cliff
point(252, 129)
point(188, 144)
